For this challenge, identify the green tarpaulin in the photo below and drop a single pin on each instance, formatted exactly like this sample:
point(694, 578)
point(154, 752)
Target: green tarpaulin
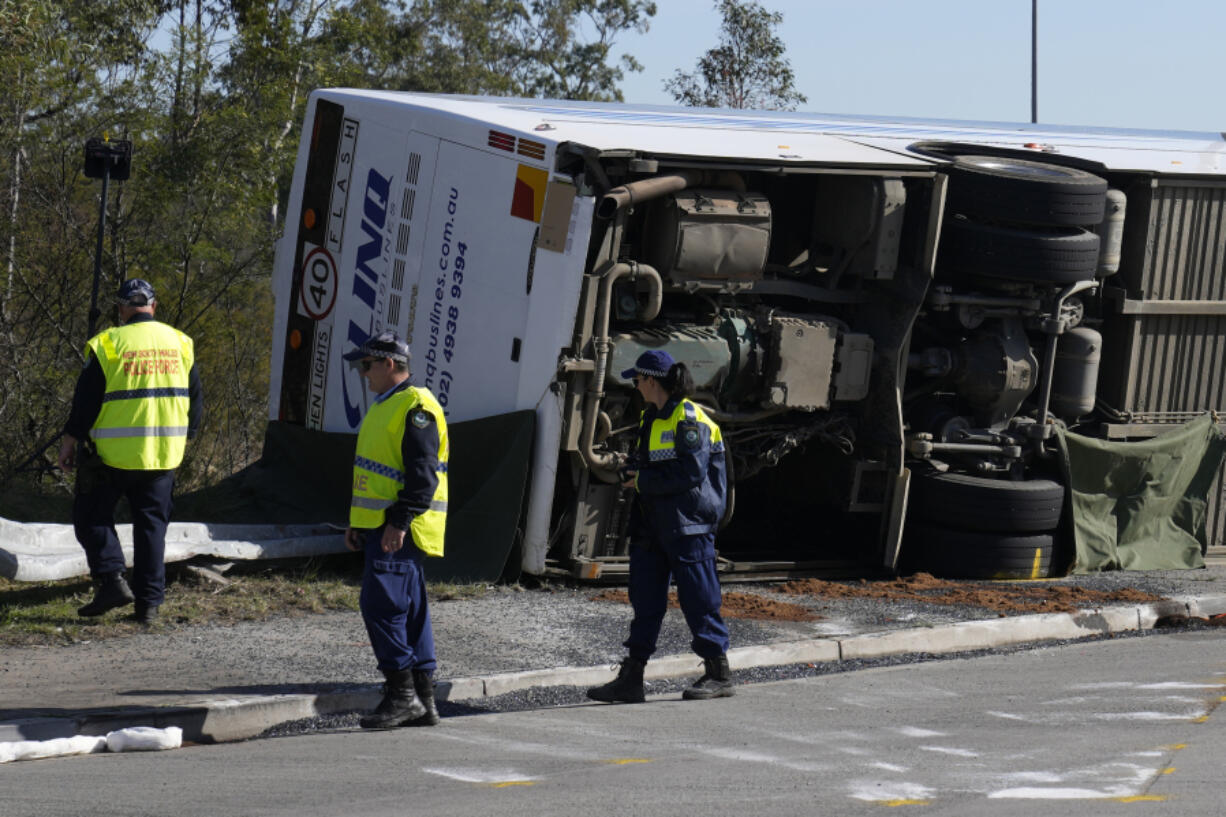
point(1141, 505)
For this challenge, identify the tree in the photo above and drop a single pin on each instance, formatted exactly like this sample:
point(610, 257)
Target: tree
point(746, 70)
point(563, 66)
point(213, 106)
point(543, 48)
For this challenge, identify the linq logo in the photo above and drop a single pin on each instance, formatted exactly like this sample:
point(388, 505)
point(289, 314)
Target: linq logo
point(366, 279)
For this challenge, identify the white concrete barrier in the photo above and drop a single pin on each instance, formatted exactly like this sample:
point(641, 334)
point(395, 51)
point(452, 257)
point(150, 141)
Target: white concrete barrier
point(44, 551)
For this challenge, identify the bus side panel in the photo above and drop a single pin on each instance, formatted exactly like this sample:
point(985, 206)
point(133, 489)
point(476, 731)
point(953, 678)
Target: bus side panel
point(470, 325)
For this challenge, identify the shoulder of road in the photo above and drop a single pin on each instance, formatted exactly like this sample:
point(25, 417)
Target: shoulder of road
point(227, 712)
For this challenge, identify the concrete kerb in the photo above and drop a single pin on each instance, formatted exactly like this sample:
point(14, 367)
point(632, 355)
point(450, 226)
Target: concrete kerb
point(231, 719)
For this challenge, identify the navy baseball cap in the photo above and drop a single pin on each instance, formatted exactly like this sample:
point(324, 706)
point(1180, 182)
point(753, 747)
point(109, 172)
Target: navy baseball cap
point(385, 344)
point(135, 292)
point(654, 363)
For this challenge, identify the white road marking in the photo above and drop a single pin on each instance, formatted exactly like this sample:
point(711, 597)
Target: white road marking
point(889, 767)
point(916, 732)
point(949, 750)
point(1147, 716)
point(481, 775)
point(522, 747)
point(1066, 718)
point(823, 739)
point(741, 756)
point(1057, 794)
point(1120, 779)
point(1034, 777)
point(1006, 715)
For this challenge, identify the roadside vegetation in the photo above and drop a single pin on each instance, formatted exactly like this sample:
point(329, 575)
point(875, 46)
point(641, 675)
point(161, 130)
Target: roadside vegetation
point(211, 95)
point(45, 613)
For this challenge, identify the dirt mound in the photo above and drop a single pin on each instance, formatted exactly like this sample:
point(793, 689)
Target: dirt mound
point(1005, 598)
point(736, 605)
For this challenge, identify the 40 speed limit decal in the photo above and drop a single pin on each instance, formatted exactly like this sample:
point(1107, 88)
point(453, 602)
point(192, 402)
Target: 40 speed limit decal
point(319, 283)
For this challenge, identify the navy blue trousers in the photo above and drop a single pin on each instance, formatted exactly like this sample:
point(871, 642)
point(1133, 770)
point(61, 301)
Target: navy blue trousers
point(99, 489)
point(394, 606)
point(690, 561)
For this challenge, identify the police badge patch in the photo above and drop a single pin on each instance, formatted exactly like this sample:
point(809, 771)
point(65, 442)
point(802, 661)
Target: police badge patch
point(689, 436)
point(420, 418)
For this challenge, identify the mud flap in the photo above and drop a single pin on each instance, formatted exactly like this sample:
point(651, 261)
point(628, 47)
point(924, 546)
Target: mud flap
point(487, 477)
point(305, 476)
point(893, 522)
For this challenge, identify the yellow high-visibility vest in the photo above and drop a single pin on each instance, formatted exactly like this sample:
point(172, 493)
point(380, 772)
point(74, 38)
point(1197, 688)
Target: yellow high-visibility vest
point(378, 467)
point(144, 416)
point(660, 445)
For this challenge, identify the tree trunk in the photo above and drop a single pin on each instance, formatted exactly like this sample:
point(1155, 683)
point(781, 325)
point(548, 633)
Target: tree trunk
point(15, 198)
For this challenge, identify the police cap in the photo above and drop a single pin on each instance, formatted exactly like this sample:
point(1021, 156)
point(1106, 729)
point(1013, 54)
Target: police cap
point(385, 344)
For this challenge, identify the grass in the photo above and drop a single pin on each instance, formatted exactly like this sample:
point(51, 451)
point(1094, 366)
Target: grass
point(45, 613)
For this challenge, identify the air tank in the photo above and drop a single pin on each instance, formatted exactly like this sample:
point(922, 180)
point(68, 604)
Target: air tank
point(1111, 234)
point(1075, 377)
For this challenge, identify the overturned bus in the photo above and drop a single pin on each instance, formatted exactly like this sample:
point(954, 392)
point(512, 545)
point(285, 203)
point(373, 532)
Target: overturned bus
point(892, 320)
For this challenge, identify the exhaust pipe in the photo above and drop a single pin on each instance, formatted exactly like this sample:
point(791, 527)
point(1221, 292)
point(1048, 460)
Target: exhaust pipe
point(656, 187)
point(604, 465)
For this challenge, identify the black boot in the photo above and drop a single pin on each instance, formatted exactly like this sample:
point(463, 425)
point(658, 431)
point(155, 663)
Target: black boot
point(716, 682)
point(399, 704)
point(111, 592)
point(627, 687)
point(145, 614)
point(423, 683)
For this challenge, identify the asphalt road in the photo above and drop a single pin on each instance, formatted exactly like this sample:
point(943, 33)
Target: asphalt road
point(1129, 726)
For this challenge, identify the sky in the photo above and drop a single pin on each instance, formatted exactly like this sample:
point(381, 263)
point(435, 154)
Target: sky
point(1122, 63)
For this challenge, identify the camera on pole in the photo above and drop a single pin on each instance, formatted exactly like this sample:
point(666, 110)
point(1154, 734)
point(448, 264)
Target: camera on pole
point(104, 160)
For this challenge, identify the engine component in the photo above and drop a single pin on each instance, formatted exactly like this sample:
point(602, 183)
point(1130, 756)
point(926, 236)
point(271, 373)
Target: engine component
point(855, 366)
point(709, 239)
point(862, 216)
point(1075, 378)
point(802, 357)
point(700, 348)
point(937, 417)
point(995, 371)
point(935, 361)
point(745, 370)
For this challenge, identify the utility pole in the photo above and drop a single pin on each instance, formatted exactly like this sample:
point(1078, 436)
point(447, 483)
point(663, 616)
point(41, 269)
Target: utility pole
point(1034, 61)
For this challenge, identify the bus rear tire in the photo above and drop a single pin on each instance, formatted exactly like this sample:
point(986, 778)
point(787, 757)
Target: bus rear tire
point(1053, 256)
point(1024, 192)
point(975, 503)
point(958, 554)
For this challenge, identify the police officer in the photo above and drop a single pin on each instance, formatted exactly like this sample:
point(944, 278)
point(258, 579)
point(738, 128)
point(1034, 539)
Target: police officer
point(136, 404)
point(398, 516)
point(680, 482)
